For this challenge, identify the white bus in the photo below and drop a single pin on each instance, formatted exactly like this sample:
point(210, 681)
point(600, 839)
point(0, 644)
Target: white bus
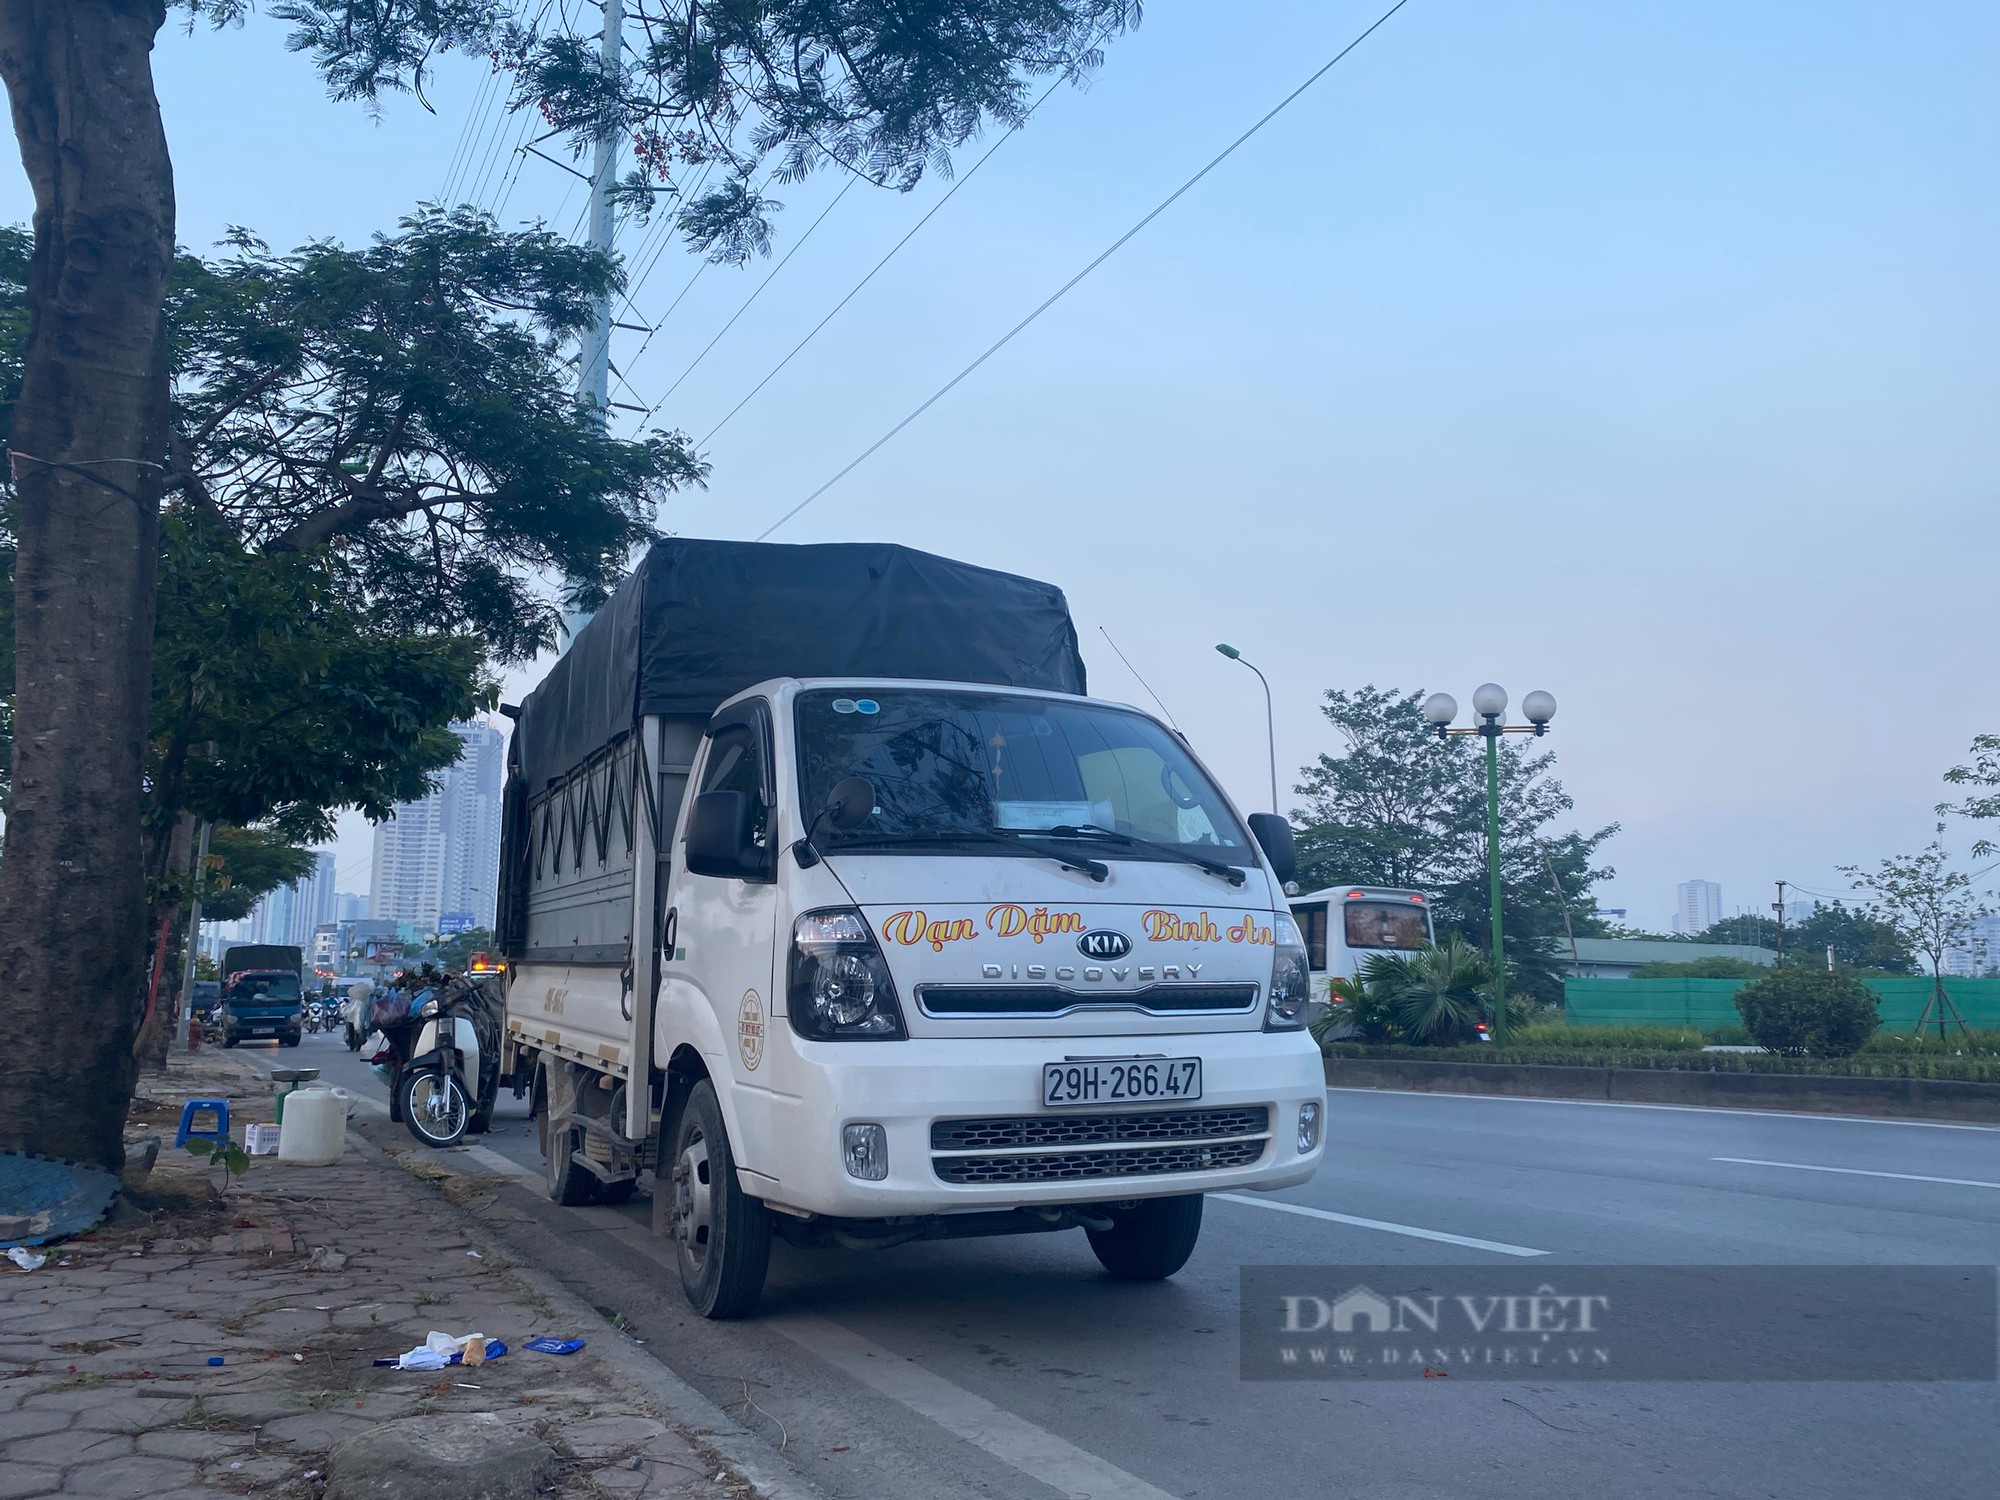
point(1343, 924)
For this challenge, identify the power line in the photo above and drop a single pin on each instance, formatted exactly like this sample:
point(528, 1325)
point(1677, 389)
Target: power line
point(855, 290)
point(797, 245)
point(1063, 290)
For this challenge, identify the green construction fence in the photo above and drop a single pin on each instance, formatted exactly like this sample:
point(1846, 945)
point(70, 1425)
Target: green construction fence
point(1710, 1003)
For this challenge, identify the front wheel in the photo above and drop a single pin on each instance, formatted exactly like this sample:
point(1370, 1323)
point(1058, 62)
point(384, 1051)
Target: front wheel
point(722, 1234)
point(1150, 1240)
point(434, 1107)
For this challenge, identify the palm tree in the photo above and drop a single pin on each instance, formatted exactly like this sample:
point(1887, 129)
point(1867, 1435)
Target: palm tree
point(1437, 995)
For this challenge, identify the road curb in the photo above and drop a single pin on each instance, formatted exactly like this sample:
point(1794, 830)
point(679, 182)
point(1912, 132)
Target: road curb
point(742, 1449)
point(1800, 1093)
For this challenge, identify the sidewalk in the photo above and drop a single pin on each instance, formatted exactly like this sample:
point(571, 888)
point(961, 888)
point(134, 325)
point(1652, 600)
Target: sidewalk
point(205, 1345)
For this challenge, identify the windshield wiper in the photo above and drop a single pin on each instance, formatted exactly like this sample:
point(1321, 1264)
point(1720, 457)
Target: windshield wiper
point(1096, 831)
point(917, 837)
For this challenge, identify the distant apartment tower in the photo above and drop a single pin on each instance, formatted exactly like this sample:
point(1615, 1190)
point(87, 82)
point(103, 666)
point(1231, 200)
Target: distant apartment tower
point(292, 913)
point(442, 854)
point(1698, 906)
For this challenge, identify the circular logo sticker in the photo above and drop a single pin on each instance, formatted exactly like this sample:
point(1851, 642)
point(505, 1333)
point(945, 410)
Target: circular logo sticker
point(843, 705)
point(750, 1030)
point(867, 706)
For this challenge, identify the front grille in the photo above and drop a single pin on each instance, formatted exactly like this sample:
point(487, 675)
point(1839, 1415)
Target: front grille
point(1054, 1000)
point(1070, 1166)
point(1001, 1132)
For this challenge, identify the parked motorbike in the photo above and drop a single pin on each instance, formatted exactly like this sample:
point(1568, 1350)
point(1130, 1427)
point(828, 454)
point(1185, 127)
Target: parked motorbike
point(439, 1055)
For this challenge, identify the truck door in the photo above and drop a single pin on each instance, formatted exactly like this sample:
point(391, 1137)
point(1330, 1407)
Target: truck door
point(723, 943)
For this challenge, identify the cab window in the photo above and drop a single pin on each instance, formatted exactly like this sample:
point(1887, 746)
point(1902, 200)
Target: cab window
point(735, 764)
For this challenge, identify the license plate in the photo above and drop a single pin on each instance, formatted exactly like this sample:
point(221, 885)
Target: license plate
point(1157, 1080)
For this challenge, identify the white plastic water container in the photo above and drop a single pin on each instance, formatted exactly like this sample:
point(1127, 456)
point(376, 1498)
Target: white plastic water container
point(315, 1128)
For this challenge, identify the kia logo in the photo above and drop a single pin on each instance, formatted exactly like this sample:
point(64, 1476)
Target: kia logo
point(1104, 944)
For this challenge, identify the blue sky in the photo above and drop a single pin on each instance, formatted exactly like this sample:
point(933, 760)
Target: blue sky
point(1645, 353)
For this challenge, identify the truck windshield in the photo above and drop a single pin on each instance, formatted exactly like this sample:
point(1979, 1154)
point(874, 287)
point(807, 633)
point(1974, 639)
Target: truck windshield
point(947, 764)
point(266, 989)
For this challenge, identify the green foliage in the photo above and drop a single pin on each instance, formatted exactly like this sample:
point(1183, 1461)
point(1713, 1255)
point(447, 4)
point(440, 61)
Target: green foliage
point(1728, 1036)
point(279, 697)
point(1929, 905)
point(1808, 1013)
point(229, 1156)
point(1858, 940)
point(1400, 807)
point(1984, 772)
point(405, 412)
point(712, 93)
point(1967, 1043)
point(1703, 968)
point(1545, 1035)
point(1438, 994)
point(244, 864)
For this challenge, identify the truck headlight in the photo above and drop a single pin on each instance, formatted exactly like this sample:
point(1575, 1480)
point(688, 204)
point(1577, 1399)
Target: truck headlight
point(1291, 978)
point(839, 989)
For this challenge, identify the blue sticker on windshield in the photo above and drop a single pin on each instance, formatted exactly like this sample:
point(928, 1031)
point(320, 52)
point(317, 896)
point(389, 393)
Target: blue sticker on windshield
point(866, 706)
point(846, 706)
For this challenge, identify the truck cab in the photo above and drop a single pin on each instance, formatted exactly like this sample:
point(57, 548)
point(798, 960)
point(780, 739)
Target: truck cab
point(933, 958)
point(258, 1004)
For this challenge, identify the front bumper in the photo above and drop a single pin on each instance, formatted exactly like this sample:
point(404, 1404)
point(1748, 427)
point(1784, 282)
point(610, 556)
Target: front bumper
point(906, 1087)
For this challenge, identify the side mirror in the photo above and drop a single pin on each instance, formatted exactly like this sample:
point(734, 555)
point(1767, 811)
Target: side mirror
point(851, 802)
point(1274, 836)
point(722, 838)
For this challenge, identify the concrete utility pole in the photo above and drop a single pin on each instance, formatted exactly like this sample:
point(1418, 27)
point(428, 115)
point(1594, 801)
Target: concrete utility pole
point(1778, 906)
point(594, 369)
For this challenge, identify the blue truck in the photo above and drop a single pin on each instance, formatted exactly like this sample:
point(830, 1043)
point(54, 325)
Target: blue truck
point(263, 994)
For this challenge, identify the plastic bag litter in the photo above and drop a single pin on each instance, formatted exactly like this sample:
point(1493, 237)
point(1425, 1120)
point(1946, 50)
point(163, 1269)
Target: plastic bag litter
point(441, 1349)
point(547, 1345)
point(27, 1260)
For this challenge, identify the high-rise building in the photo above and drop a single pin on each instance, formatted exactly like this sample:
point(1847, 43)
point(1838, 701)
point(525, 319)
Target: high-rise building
point(1697, 906)
point(292, 913)
point(442, 854)
point(350, 906)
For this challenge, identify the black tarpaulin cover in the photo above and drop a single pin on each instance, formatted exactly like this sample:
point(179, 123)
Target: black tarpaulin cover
point(701, 620)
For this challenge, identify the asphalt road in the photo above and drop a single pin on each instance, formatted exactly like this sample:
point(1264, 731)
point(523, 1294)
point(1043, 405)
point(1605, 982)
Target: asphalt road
point(1013, 1368)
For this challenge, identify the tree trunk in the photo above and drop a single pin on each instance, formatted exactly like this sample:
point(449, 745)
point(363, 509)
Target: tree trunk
point(88, 436)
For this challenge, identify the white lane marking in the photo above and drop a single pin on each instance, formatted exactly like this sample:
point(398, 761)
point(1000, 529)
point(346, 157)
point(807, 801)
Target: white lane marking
point(1684, 1109)
point(1499, 1247)
point(1799, 1166)
point(1040, 1454)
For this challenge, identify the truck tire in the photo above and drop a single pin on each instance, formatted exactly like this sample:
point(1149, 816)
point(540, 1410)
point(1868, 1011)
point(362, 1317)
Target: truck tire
point(1150, 1240)
point(722, 1235)
point(566, 1182)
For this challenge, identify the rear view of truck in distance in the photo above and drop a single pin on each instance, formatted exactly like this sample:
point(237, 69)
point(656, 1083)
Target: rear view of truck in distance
point(829, 896)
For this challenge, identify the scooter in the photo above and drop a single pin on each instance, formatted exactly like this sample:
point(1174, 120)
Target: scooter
point(436, 1069)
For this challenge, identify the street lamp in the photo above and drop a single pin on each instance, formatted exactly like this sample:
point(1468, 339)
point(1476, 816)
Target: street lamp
point(1270, 731)
point(1489, 702)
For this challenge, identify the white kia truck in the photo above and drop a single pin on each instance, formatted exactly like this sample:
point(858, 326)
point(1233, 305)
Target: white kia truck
point(830, 898)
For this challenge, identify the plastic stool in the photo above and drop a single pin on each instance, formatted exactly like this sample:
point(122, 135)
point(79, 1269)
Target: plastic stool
point(219, 1108)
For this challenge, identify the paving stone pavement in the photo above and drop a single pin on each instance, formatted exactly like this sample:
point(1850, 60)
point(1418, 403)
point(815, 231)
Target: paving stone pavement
point(106, 1383)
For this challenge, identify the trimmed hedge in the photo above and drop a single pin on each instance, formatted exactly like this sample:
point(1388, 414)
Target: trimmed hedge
point(1863, 1065)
